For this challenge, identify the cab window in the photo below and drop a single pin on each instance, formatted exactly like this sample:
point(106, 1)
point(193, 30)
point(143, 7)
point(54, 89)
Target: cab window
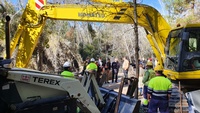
point(173, 50)
point(193, 43)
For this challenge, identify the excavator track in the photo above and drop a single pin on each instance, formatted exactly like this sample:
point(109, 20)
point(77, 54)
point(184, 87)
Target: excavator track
point(178, 102)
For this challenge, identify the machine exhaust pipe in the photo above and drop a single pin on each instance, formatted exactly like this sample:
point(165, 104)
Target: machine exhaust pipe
point(7, 32)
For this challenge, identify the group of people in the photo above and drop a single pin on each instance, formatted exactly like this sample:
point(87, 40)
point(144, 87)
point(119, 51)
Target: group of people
point(157, 89)
point(109, 68)
point(67, 68)
point(103, 69)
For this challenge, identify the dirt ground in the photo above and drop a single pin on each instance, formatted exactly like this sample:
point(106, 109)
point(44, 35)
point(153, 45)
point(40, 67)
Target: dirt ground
point(115, 86)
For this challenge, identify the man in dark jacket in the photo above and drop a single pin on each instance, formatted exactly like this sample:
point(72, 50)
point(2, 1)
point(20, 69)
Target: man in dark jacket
point(115, 70)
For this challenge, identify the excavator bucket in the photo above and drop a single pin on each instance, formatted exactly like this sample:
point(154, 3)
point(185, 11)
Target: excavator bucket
point(126, 105)
point(109, 101)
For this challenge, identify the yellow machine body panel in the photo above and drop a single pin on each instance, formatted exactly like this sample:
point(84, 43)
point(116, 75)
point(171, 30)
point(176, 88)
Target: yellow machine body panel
point(182, 75)
point(33, 20)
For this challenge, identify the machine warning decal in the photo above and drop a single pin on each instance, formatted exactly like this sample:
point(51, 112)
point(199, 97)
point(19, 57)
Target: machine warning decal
point(25, 78)
point(46, 81)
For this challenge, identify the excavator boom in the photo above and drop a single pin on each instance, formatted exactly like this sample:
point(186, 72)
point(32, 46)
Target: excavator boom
point(33, 21)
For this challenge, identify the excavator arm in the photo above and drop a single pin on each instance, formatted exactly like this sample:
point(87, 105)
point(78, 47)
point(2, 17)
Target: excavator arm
point(33, 21)
point(27, 34)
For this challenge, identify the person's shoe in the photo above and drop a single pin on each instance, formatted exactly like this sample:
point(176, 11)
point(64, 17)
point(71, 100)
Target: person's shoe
point(116, 82)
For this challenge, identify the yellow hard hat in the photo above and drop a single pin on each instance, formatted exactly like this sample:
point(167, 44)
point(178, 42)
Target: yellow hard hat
point(149, 63)
point(158, 68)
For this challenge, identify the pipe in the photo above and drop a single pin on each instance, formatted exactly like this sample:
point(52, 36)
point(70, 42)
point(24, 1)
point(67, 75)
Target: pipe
point(7, 31)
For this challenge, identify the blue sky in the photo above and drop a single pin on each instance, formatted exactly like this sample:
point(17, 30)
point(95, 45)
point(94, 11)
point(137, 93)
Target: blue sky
point(158, 4)
point(154, 3)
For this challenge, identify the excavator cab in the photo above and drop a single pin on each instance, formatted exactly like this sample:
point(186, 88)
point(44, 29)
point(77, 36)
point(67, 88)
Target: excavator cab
point(183, 48)
point(183, 53)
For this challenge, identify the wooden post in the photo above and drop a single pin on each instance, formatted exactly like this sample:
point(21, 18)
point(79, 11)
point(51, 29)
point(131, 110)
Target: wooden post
point(119, 95)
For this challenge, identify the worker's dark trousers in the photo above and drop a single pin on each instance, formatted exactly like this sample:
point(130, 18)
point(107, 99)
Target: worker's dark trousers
point(145, 90)
point(154, 104)
point(114, 75)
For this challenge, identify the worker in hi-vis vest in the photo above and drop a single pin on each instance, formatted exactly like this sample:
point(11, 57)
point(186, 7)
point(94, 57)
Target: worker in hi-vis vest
point(67, 70)
point(159, 91)
point(92, 66)
point(148, 75)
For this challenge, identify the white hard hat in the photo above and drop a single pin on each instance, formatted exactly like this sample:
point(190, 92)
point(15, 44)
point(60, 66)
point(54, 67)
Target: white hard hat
point(92, 59)
point(67, 64)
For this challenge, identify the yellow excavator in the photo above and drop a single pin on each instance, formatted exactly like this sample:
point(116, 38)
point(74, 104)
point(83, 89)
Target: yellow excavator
point(177, 50)
point(33, 20)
